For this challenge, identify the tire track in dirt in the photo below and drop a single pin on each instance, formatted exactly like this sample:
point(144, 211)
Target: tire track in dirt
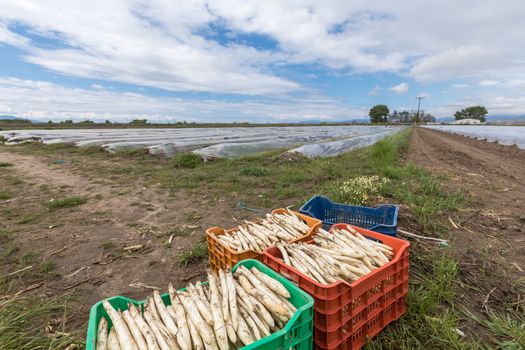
point(490, 243)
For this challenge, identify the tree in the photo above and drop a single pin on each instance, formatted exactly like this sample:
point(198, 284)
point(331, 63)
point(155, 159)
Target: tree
point(378, 114)
point(139, 122)
point(108, 121)
point(474, 112)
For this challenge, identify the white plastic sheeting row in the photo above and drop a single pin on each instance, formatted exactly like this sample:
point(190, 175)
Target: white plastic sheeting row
point(214, 142)
point(505, 135)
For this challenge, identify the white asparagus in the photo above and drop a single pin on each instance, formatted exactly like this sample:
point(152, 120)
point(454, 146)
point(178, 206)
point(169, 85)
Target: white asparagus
point(271, 283)
point(272, 304)
point(196, 339)
point(150, 305)
point(164, 314)
point(124, 336)
point(146, 331)
point(216, 310)
point(251, 324)
point(113, 343)
point(241, 294)
point(154, 326)
point(203, 328)
point(102, 334)
point(180, 317)
point(225, 296)
point(244, 333)
point(262, 311)
point(232, 300)
point(201, 306)
point(134, 330)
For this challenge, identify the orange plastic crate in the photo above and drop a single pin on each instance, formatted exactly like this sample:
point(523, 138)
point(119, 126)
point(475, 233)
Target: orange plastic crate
point(221, 256)
point(347, 315)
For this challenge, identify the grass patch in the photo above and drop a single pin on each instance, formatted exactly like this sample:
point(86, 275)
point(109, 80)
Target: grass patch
point(254, 171)
point(26, 219)
point(23, 322)
point(428, 322)
point(186, 160)
point(5, 164)
point(180, 231)
point(197, 252)
point(107, 245)
point(47, 266)
point(10, 249)
point(5, 235)
point(28, 258)
point(4, 195)
point(66, 202)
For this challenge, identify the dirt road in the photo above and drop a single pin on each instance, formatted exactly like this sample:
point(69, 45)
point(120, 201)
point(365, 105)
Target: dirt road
point(490, 236)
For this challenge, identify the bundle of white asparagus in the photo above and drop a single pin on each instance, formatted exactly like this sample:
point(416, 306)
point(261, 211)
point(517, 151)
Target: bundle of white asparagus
point(342, 255)
point(232, 311)
point(263, 233)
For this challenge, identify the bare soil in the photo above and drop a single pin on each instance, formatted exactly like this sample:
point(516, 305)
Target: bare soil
point(489, 236)
point(88, 243)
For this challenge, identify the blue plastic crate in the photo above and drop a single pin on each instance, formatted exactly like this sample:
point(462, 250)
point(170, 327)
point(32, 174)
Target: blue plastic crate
point(382, 219)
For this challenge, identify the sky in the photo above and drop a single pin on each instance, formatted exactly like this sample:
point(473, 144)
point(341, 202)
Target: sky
point(258, 61)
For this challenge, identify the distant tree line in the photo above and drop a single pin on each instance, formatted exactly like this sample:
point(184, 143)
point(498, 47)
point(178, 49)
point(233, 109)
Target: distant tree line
point(381, 114)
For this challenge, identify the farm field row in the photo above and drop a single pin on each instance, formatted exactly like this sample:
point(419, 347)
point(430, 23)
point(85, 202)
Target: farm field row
point(312, 141)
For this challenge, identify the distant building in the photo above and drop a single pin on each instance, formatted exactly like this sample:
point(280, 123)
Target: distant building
point(408, 117)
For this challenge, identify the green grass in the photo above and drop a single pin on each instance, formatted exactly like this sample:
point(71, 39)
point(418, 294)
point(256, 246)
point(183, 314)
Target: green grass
point(28, 258)
point(429, 322)
point(108, 245)
point(47, 266)
point(4, 195)
point(5, 235)
point(186, 160)
point(5, 164)
point(66, 202)
point(197, 252)
point(23, 322)
point(254, 171)
point(26, 218)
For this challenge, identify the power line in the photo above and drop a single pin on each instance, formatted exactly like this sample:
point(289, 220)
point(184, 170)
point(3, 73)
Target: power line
point(418, 106)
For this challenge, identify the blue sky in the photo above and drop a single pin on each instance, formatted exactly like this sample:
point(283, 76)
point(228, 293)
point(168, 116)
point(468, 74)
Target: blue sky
point(259, 61)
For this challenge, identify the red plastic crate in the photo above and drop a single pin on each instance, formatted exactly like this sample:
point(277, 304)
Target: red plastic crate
point(347, 315)
point(221, 256)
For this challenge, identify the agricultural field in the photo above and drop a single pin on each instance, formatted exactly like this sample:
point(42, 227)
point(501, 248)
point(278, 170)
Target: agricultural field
point(211, 143)
point(79, 224)
point(504, 135)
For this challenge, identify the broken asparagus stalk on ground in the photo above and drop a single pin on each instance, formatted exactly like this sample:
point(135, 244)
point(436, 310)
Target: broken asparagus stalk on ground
point(263, 233)
point(344, 254)
point(231, 311)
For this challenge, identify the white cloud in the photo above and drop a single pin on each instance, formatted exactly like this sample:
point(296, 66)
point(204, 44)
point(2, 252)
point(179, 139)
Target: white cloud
point(170, 46)
point(48, 101)
point(488, 82)
point(401, 88)
point(423, 95)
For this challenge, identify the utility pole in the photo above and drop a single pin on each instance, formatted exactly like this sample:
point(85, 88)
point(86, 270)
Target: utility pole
point(418, 106)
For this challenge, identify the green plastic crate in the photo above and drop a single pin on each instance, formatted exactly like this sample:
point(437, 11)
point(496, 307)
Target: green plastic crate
point(296, 334)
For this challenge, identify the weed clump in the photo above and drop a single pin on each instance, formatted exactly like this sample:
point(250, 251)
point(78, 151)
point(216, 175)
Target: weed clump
point(4, 195)
point(186, 160)
point(5, 164)
point(66, 202)
point(196, 253)
point(254, 171)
